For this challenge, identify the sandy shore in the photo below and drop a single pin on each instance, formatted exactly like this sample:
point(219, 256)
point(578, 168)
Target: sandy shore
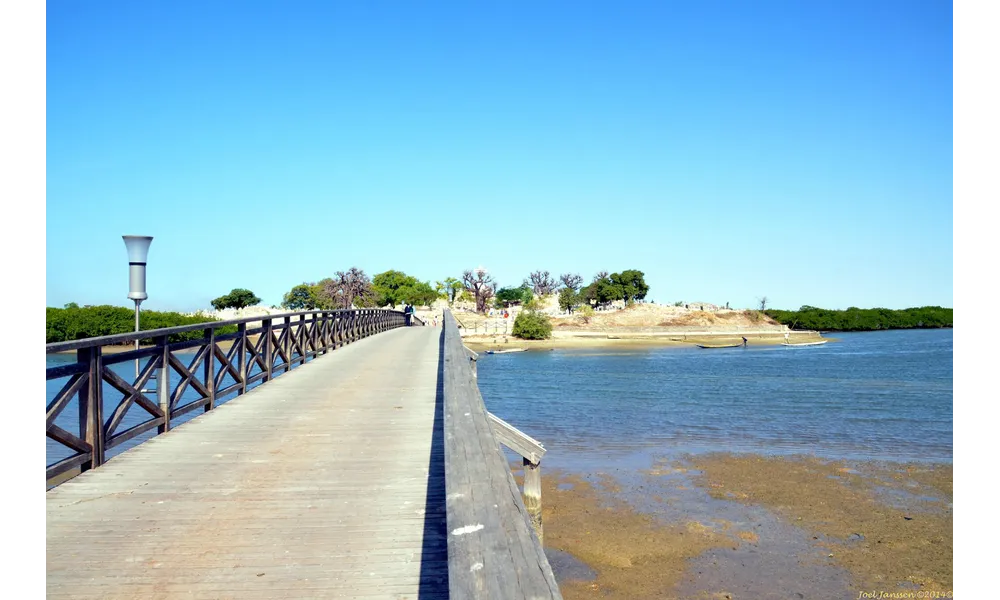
point(747, 526)
point(627, 338)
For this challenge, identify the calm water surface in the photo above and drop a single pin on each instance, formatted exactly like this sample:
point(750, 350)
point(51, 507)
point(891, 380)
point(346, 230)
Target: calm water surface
point(874, 395)
point(882, 395)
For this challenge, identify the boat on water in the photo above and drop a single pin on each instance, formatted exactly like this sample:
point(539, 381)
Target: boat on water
point(505, 351)
point(713, 346)
point(803, 344)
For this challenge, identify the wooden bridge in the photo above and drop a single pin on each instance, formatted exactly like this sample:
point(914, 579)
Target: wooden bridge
point(369, 468)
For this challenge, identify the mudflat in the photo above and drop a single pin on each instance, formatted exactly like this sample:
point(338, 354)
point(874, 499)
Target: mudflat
point(751, 526)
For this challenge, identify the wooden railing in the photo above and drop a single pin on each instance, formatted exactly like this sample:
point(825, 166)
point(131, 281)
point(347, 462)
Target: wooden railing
point(493, 549)
point(254, 356)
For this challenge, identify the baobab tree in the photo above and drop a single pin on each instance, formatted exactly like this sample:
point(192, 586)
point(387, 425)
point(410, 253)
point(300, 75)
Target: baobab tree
point(542, 284)
point(351, 287)
point(571, 280)
point(481, 285)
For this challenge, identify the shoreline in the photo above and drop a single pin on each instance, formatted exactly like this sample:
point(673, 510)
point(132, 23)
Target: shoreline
point(630, 339)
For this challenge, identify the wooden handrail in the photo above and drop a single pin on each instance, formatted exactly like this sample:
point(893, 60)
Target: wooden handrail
point(493, 550)
point(292, 338)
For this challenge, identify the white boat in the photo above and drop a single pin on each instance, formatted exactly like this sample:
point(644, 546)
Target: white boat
point(505, 351)
point(801, 344)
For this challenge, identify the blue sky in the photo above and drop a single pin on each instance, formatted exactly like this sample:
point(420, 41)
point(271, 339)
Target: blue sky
point(730, 150)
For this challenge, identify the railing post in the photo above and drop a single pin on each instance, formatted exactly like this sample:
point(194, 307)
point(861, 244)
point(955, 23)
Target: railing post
point(533, 494)
point(288, 343)
point(324, 332)
point(163, 383)
point(210, 368)
point(314, 334)
point(242, 365)
point(90, 404)
point(300, 335)
point(266, 349)
point(319, 331)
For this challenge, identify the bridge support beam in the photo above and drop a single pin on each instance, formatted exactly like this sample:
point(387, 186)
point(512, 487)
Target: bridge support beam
point(533, 494)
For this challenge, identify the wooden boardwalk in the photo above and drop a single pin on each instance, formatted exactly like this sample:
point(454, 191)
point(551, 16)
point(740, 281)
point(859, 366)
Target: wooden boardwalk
point(327, 482)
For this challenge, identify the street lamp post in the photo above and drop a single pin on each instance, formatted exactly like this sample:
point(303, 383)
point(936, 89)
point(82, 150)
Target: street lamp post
point(137, 247)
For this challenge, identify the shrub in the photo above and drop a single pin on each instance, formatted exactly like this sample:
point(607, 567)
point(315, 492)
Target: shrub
point(65, 324)
point(532, 325)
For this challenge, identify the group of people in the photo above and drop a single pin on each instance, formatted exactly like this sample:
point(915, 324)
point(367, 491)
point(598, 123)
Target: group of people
point(408, 312)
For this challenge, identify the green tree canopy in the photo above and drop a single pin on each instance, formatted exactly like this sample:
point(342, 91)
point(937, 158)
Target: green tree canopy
point(237, 298)
point(509, 296)
point(568, 298)
point(396, 287)
point(863, 319)
point(631, 284)
point(392, 287)
point(452, 287)
point(300, 297)
point(65, 324)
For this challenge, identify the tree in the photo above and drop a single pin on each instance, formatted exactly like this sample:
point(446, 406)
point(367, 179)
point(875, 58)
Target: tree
point(393, 287)
point(507, 297)
point(324, 301)
point(71, 305)
point(571, 280)
point(452, 287)
point(606, 291)
point(762, 303)
point(300, 297)
point(586, 313)
point(419, 294)
point(349, 288)
point(481, 285)
point(542, 284)
point(237, 298)
point(632, 285)
point(568, 298)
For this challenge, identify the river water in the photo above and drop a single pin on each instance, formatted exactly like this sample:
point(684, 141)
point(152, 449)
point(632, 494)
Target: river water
point(873, 395)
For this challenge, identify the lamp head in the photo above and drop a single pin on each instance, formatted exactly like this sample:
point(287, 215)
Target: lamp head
point(137, 247)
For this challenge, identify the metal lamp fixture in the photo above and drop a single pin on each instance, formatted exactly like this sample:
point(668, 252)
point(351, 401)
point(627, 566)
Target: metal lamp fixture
point(137, 247)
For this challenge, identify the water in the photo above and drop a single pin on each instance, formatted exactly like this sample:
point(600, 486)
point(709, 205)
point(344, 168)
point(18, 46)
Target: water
point(879, 395)
point(873, 395)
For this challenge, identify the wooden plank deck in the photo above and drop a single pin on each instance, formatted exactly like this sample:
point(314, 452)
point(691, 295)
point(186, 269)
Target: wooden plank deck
point(326, 482)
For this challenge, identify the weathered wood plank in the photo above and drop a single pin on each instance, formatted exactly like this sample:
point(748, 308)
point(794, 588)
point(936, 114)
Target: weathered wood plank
point(58, 468)
point(515, 439)
point(62, 398)
point(131, 432)
point(322, 479)
point(65, 370)
point(66, 438)
point(493, 551)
